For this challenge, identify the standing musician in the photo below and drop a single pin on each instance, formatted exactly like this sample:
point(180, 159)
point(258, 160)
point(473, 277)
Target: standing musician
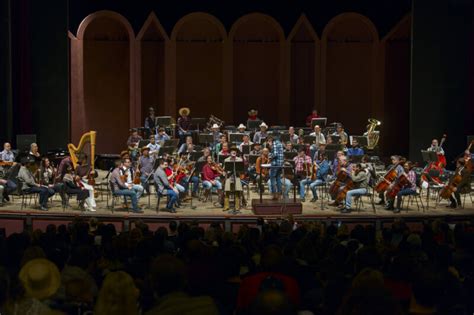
point(145, 165)
point(132, 144)
point(162, 136)
point(119, 180)
point(165, 187)
point(464, 185)
point(30, 185)
point(83, 170)
point(397, 162)
point(252, 115)
point(233, 184)
point(355, 150)
point(151, 121)
point(293, 137)
point(183, 123)
point(310, 117)
point(47, 177)
point(277, 159)
point(210, 178)
point(73, 186)
point(7, 154)
point(262, 134)
point(316, 176)
point(344, 138)
point(303, 166)
point(409, 188)
point(153, 147)
point(360, 178)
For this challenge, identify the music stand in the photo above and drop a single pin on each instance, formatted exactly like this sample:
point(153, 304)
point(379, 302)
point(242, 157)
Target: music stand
point(164, 150)
point(285, 137)
point(309, 139)
point(171, 143)
point(469, 140)
point(331, 154)
point(362, 140)
point(253, 124)
point(163, 121)
point(198, 122)
point(429, 156)
point(290, 155)
point(321, 122)
point(236, 167)
point(235, 137)
point(253, 159)
point(205, 138)
point(143, 143)
point(246, 149)
point(199, 166)
point(194, 156)
point(334, 147)
point(355, 159)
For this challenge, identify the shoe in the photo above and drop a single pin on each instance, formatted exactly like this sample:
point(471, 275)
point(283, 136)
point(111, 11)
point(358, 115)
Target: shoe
point(381, 202)
point(172, 210)
point(92, 209)
point(6, 197)
point(43, 208)
point(396, 210)
point(314, 199)
point(345, 210)
point(341, 207)
point(333, 204)
point(453, 206)
point(138, 210)
point(303, 199)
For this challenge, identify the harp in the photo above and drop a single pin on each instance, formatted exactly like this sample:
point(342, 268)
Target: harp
point(74, 152)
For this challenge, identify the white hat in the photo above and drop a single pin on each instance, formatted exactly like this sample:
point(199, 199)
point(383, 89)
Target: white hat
point(263, 125)
point(241, 126)
point(215, 126)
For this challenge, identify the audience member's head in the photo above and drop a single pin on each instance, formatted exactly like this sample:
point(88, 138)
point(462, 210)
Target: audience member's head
point(118, 295)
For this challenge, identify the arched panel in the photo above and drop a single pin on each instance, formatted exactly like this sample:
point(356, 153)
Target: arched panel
point(199, 39)
point(257, 40)
point(106, 79)
point(151, 42)
point(350, 43)
point(304, 64)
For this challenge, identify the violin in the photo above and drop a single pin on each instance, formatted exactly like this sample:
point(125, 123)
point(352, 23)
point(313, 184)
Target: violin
point(217, 168)
point(136, 176)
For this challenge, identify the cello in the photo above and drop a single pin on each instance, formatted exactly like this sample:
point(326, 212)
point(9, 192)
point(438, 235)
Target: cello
point(401, 182)
point(387, 180)
point(454, 182)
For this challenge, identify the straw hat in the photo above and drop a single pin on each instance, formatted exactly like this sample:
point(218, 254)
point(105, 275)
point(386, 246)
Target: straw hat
point(40, 278)
point(184, 111)
point(145, 148)
point(241, 126)
point(263, 125)
point(253, 112)
point(215, 126)
point(124, 153)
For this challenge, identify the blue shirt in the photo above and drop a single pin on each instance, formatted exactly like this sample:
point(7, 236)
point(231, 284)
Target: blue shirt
point(7, 156)
point(277, 153)
point(323, 170)
point(355, 151)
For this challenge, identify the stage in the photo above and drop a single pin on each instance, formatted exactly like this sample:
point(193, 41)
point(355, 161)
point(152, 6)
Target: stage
point(14, 219)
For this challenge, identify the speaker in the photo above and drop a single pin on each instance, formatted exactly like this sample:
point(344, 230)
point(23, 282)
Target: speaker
point(23, 142)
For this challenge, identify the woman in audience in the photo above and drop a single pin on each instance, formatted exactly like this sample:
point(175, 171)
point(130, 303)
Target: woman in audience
point(118, 295)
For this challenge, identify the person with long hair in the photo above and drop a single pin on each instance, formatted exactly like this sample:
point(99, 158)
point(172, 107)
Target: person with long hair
point(118, 295)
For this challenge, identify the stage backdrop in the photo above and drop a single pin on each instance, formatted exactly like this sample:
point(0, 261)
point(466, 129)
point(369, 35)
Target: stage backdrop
point(348, 73)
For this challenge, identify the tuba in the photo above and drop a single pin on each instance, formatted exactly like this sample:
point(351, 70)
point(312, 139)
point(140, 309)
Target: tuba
point(373, 135)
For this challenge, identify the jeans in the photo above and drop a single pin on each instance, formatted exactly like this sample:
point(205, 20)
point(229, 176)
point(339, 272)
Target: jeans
point(207, 184)
point(275, 180)
point(404, 192)
point(172, 198)
point(129, 193)
point(44, 194)
point(145, 184)
point(313, 185)
point(180, 188)
point(354, 193)
point(138, 189)
point(194, 180)
point(287, 185)
point(303, 183)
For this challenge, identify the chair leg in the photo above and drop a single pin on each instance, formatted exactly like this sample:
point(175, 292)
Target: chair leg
point(158, 199)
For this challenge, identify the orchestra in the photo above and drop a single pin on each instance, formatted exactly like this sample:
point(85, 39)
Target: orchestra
point(316, 156)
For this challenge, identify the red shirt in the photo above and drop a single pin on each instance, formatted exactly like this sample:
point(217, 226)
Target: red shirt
point(208, 173)
point(309, 118)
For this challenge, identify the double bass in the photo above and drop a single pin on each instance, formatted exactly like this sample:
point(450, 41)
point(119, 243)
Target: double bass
point(436, 166)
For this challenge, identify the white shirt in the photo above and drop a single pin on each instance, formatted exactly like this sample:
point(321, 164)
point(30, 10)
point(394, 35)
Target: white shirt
point(154, 148)
point(320, 139)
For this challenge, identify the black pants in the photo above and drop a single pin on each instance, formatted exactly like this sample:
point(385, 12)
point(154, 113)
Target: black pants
point(456, 199)
point(44, 194)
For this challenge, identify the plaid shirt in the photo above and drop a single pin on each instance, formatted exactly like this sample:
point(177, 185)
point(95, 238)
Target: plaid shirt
point(277, 153)
point(301, 162)
point(412, 178)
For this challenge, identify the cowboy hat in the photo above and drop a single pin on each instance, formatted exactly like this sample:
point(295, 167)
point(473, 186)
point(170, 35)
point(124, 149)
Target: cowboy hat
point(263, 125)
point(215, 126)
point(144, 148)
point(252, 112)
point(123, 153)
point(184, 111)
point(40, 278)
point(241, 126)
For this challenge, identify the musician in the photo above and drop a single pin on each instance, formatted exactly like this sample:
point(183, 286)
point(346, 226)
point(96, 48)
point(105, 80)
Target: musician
point(277, 158)
point(302, 169)
point(216, 133)
point(184, 147)
point(153, 147)
point(289, 147)
point(171, 174)
point(218, 146)
point(206, 152)
point(360, 178)
point(336, 162)
point(245, 141)
point(410, 188)
point(122, 188)
point(310, 117)
point(257, 149)
point(224, 152)
point(73, 186)
point(84, 171)
point(343, 166)
point(145, 165)
point(7, 187)
point(319, 139)
point(464, 186)
point(162, 136)
point(264, 158)
point(62, 168)
point(151, 121)
point(355, 150)
point(30, 185)
point(184, 123)
point(252, 115)
point(190, 177)
point(241, 128)
point(322, 170)
point(341, 134)
point(233, 184)
point(321, 150)
point(293, 137)
point(286, 183)
point(34, 153)
point(7, 154)
point(47, 174)
point(210, 178)
point(132, 144)
point(165, 187)
point(397, 165)
point(262, 134)
point(435, 147)
point(128, 170)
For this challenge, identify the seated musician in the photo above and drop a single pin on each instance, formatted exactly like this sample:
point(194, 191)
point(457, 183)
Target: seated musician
point(264, 158)
point(151, 121)
point(310, 117)
point(409, 189)
point(84, 171)
point(153, 147)
point(216, 133)
point(343, 166)
point(34, 153)
point(302, 170)
point(355, 150)
point(397, 165)
point(360, 178)
point(321, 150)
point(128, 170)
point(257, 149)
point(145, 165)
point(183, 123)
point(119, 180)
point(344, 138)
point(224, 152)
point(233, 184)
point(62, 168)
point(7, 154)
point(322, 169)
point(252, 115)
point(73, 186)
point(241, 129)
point(319, 140)
point(218, 146)
point(187, 164)
point(293, 137)
point(184, 147)
point(464, 186)
point(165, 187)
point(7, 187)
point(162, 136)
point(30, 185)
point(245, 141)
point(210, 178)
point(132, 144)
point(289, 147)
point(171, 173)
point(335, 163)
point(205, 153)
point(262, 134)
point(47, 178)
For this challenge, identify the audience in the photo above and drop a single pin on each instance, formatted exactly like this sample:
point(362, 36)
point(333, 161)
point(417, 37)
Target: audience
point(273, 268)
